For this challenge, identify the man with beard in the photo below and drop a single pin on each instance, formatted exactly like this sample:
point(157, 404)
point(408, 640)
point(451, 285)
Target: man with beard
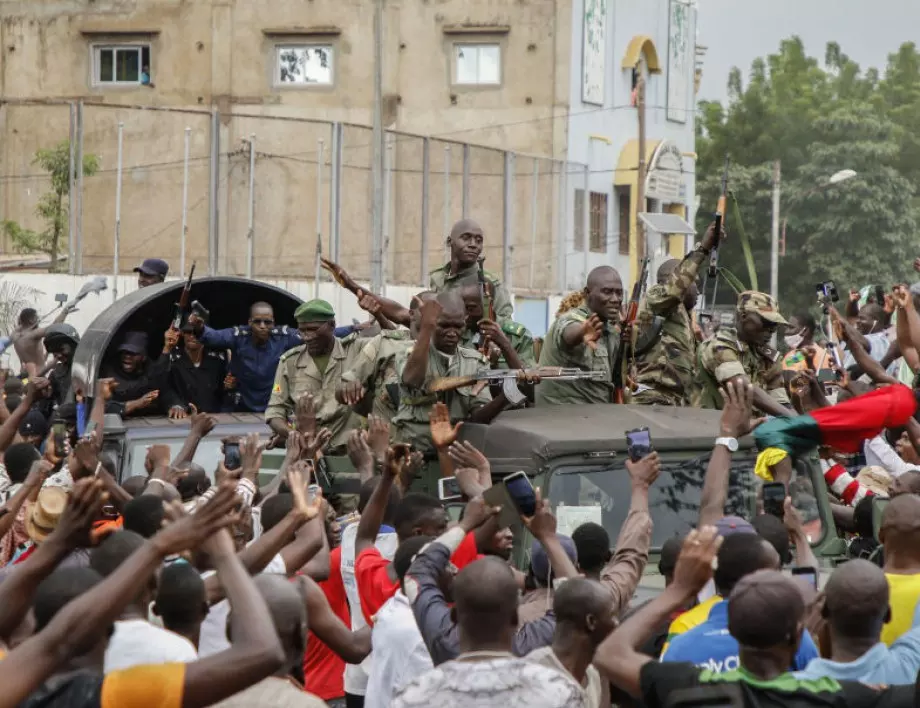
point(666, 347)
point(315, 367)
point(742, 353)
point(465, 244)
point(585, 338)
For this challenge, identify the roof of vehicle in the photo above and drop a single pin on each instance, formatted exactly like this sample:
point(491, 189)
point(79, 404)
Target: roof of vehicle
point(531, 436)
point(151, 309)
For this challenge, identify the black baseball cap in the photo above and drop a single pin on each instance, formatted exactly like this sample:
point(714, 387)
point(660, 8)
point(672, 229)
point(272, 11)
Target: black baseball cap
point(134, 342)
point(34, 424)
point(153, 266)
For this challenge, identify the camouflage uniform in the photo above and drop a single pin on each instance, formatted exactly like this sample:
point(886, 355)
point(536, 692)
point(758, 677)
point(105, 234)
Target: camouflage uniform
point(521, 341)
point(442, 280)
point(725, 356)
point(375, 369)
point(665, 373)
point(555, 353)
point(298, 374)
point(411, 423)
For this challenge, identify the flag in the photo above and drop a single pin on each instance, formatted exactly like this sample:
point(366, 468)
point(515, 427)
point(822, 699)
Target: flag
point(843, 427)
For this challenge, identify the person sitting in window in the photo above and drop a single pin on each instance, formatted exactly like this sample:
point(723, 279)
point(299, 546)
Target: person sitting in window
point(145, 77)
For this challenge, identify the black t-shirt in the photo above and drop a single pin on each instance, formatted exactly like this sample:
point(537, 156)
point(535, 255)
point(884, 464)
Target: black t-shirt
point(659, 680)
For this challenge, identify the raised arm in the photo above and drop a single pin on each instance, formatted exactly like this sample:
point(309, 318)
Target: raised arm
point(35, 390)
point(201, 425)
point(372, 516)
point(543, 527)
point(415, 370)
point(352, 647)
point(622, 573)
point(619, 658)
point(85, 618)
point(736, 422)
point(31, 486)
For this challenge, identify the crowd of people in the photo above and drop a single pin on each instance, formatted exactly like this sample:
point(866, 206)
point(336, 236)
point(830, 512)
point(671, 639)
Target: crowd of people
point(193, 587)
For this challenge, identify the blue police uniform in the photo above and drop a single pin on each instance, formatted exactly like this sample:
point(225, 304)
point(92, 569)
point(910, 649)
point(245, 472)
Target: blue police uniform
point(253, 366)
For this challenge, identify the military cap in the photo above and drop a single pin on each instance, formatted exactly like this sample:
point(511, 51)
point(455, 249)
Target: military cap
point(315, 311)
point(760, 304)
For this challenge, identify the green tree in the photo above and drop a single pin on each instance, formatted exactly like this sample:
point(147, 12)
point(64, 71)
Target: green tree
point(52, 207)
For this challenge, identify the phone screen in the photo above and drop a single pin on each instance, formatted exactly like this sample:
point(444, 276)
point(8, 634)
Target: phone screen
point(521, 492)
point(638, 443)
point(449, 488)
point(809, 573)
point(774, 496)
point(60, 430)
point(232, 458)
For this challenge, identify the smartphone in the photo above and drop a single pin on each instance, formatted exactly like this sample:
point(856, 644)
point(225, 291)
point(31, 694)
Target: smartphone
point(521, 493)
point(90, 429)
point(638, 443)
point(232, 458)
point(809, 573)
point(312, 492)
point(774, 497)
point(497, 495)
point(449, 489)
point(60, 432)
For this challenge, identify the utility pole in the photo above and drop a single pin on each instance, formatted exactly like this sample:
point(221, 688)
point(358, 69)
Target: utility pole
point(640, 177)
point(774, 234)
point(379, 151)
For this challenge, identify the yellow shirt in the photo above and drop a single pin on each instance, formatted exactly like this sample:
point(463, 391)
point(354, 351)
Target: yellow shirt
point(693, 617)
point(905, 591)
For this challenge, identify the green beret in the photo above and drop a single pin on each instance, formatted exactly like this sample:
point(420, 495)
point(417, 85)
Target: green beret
point(315, 311)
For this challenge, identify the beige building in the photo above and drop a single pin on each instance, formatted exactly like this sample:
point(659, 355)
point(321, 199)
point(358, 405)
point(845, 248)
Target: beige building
point(497, 74)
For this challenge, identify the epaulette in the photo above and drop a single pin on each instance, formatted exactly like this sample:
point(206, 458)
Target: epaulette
point(400, 334)
point(468, 353)
point(283, 330)
point(290, 352)
point(215, 354)
point(240, 331)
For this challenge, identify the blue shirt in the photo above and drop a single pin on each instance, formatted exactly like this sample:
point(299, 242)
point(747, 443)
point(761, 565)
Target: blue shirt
point(896, 665)
point(253, 366)
point(341, 332)
point(710, 646)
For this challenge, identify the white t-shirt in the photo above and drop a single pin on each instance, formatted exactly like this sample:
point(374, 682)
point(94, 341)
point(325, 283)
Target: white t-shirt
point(136, 642)
point(213, 638)
point(356, 674)
point(400, 654)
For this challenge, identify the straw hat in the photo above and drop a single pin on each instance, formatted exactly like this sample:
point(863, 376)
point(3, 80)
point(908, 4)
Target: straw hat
point(45, 513)
point(875, 478)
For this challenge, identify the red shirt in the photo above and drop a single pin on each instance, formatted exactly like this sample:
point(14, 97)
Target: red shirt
point(374, 584)
point(323, 669)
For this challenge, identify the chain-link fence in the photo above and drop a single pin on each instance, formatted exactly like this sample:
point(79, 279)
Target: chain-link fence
point(263, 195)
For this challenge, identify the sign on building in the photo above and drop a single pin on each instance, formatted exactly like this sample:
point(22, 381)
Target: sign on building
point(679, 58)
point(594, 52)
point(665, 181)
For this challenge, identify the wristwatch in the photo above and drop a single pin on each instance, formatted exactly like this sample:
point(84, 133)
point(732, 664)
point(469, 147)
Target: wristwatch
point(730, 443)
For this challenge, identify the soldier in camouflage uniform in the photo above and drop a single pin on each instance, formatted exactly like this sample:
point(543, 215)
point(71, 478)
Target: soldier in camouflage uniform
point(315, 367)
point(374, 372)
point(513, 342)
point(437, 353)
point(465, 243)
point(743, 352)
point(586, 338)
point(665, 359)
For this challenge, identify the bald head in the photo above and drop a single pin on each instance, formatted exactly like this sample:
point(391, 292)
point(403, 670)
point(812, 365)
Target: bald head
point(288, 612)
point(765, 610)
point(583, 606)
point(901, 523)
point(451, 302)
point(419, 298)
point(486, 597)
point(856, 600)
point(465, 242)
point(907, 483)
point(604, 293)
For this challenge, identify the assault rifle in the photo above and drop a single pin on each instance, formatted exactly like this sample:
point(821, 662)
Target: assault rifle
point(508, 378)
point(632, 312)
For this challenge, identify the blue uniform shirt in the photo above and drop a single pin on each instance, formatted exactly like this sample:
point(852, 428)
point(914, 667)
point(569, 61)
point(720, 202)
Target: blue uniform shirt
point(710, 646)
point(253, 367)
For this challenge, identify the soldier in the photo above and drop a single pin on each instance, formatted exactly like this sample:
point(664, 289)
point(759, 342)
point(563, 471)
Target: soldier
point(315, 367)
point(587, 338)
point(742, 353)
point(667, 344)
point(465, 243)
point(374, 370)
point(513, 342)
point(438, 353)
point(255, 350)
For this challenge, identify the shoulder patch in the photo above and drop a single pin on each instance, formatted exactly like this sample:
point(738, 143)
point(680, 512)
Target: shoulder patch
point(469, 353)
point(282, 330)
point(348, 339)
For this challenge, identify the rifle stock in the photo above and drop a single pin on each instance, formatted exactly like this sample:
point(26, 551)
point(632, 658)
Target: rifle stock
point(632, 312)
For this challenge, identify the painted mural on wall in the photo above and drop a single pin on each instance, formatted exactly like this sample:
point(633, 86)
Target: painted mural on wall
point(594, 52)
point(679, 58)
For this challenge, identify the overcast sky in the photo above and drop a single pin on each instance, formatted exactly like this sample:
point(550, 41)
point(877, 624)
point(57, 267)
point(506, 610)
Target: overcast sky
point(738, 31)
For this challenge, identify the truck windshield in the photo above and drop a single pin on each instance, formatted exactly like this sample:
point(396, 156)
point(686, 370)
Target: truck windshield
point(601, 493)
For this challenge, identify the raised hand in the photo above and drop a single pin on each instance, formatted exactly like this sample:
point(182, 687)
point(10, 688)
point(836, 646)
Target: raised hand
point(464, 454)
point(170, 339)
point(477, 513)
point(644, 472)
point(368, 302)
point(314, 444)
point(737, 413)
point(543, 523)
point(710, 240)
point(38, 473)
point(106, 387)
point(305, 413)
point(430, 311)
point(359, 452)
point(202, 423)
point(299, 478)
point(84, 504)
point(442, 432)
point(339, 274)
point(378, 437)
point(591, 331)
point(188, 531)
point(158, 456)
point(251, 456)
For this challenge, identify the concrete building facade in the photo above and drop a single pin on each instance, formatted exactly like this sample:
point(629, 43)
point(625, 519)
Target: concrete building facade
point(516, 102)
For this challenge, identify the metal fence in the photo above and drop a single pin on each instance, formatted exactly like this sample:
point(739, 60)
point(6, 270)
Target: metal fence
point(262, 195)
